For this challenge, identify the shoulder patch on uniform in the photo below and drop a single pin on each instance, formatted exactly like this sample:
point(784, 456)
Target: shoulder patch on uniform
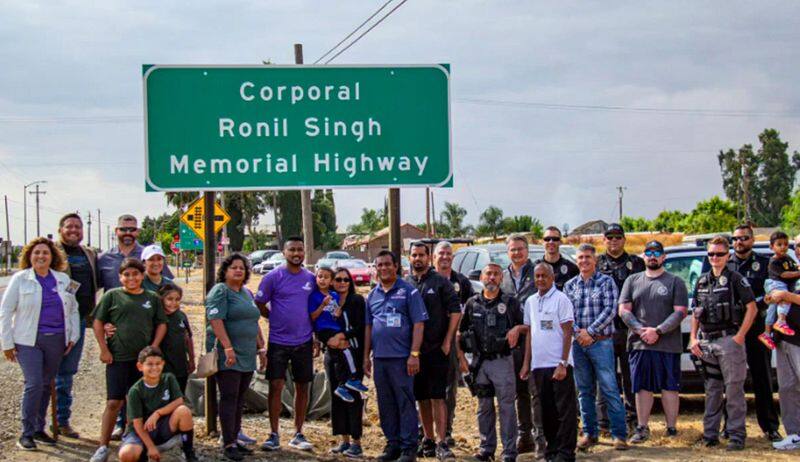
point(213, 311)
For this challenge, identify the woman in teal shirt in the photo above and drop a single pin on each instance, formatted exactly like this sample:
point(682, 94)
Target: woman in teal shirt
point(233, 324)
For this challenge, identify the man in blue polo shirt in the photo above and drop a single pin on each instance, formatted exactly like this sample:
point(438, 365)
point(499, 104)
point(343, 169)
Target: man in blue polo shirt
point(395, 318)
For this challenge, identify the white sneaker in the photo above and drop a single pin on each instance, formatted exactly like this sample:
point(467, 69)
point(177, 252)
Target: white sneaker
point(300, 442)
point(788, 443)
point(101, 454)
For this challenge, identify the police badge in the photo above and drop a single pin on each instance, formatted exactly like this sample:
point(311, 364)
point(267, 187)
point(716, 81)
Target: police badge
point(457, 287)
point(501, 308)
point(629, 265)
point(661, 290)
point(755, 266)
point(564, 269)
point(723, 280)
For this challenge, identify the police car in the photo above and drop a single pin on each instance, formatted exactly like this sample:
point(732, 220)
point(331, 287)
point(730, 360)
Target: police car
point(688, 262)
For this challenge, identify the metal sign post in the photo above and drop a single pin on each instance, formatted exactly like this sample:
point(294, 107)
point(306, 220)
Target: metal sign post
point(208, 282)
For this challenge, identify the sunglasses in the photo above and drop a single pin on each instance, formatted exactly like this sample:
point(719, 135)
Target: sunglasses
point(741, 238)
point(717, 254)
point(342, 279)
point(615, 237)
point(128, 229)
point(653, 253)
point(552, 239)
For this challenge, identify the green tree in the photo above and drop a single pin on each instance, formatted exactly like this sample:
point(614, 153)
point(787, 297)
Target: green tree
point(248, 206)
point(760, 183)
point(290, 218)
point(790, 215)
point(712, 215)
point(518, 224)
point(451, 221)
point(537, 228)
point(635, 224)
point(491, 222)
point(668, 221)
point(324, 218)
point(371, 221)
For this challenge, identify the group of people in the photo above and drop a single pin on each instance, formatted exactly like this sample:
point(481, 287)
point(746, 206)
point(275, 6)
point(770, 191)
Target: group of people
point(541, 344)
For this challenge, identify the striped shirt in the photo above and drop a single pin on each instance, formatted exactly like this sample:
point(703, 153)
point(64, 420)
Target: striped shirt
point(594, 301)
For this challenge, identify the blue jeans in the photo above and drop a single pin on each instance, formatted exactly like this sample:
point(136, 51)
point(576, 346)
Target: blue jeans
point(66, 372)
point(594, 365)
point(396, 405)
point(39, 364)
point(775, 308)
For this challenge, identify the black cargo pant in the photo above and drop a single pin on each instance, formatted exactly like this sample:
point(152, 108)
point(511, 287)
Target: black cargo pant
point(524, 414)
point(559, 412)
point(624, 368)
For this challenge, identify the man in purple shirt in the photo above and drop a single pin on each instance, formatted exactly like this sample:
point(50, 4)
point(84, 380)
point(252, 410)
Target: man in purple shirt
point(286, 289)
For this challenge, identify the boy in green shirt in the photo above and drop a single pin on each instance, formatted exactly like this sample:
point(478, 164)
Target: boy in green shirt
point(156, 412)
point(140, 321)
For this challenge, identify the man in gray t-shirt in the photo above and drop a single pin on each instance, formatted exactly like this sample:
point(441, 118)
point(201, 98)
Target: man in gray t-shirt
point(652, 304)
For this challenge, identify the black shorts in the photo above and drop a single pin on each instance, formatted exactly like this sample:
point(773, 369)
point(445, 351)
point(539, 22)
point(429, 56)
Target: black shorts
point(431, 381)
point(326, 334)
point(160, 435)
point(301, 358)
point(120, 377)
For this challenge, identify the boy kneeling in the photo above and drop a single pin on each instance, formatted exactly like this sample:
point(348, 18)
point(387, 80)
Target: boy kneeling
point(156, 412)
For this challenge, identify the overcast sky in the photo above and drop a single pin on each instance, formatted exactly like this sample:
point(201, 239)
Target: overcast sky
point(63, 61)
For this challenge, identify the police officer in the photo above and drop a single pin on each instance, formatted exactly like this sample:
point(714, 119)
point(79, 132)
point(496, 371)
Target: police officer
point(724, 311)
point(443, 262)
point(491, 327)
point(619, 264)
point(754, 267)
point(518, 281)
point(563, 269)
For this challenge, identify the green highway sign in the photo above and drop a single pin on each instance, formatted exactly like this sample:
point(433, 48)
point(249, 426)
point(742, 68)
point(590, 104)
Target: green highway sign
point(285, 127)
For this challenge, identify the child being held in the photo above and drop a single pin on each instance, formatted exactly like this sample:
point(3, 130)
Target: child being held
point(156, 412)
point(326, 313)
point(177, 345)
point(783, 273)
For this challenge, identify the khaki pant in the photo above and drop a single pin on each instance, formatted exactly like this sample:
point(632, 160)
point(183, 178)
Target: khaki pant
point(724, 357)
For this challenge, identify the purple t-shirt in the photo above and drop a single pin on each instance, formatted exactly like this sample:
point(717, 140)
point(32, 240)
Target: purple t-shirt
point(51, 317)
point(287, 295)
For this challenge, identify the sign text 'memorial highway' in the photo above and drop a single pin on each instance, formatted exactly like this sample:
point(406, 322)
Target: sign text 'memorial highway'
point(283, 127)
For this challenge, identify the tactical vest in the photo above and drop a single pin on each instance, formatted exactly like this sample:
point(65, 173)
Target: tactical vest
point(717, 304)
point(490, 324)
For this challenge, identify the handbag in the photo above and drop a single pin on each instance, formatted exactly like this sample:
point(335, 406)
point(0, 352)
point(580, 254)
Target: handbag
point(208, 364)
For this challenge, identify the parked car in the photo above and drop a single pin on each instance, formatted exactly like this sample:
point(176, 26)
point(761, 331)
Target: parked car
point(260, 255)
point(269, 264)
point(359, 270)
point(326, 262)
point(470, 261)
point(338, 255)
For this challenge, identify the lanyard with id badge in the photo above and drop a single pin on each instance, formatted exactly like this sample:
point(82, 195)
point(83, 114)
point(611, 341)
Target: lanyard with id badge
point(394, 319)
point(544, 324)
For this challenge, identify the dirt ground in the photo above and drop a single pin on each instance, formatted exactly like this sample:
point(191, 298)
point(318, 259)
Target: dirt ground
point(90, 392)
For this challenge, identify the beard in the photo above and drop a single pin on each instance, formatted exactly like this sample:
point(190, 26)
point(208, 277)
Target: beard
point(491, 287)
point(653, 265)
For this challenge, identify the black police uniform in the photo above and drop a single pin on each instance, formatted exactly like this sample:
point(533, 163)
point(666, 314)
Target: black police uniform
point(528, 420)
point(463, 288)
point(720, 306)
point(563, 269)
point(754, 268)
point(441, 301)
point(619, 268)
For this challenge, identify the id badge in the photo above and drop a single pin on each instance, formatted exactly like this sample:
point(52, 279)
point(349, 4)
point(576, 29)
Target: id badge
point(73, 286)
point(394, 320)
point(546, 324)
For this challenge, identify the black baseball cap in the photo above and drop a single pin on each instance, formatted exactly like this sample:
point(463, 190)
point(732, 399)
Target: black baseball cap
point(654, 245)
point(614, 228)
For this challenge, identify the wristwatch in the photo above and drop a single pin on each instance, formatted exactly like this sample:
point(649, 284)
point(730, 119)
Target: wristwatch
point(563, 363)
point(415, 354)
point(658, 331)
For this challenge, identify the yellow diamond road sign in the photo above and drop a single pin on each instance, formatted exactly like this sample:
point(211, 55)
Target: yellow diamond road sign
point(194, 216)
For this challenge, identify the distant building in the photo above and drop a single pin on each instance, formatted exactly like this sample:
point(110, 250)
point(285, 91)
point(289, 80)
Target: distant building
point(590, 227)
point(368, 246)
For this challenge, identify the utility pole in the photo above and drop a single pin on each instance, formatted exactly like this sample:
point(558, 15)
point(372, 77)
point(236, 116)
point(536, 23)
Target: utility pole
point(209, 252)
point(108, 236)
point(305, 194)
point(38, 193)
point(433, 216)
point(428, 212)
point(89, 226)
point(620, 190)
point(395, 241)
point(8, 239)
point(99, 232)
point(25, 208)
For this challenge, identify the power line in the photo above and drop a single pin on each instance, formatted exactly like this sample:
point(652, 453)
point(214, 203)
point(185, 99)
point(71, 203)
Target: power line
point(366, 31)
point(353, 31)
point(110, 119)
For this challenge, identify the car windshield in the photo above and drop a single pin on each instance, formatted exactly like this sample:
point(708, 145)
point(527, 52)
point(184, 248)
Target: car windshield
point(352, 264)
point(337, 255)
point(688, 268)
point(501, 258)
point(277, 257)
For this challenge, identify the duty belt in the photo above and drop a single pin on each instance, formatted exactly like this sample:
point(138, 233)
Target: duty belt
point(492, 356)
point(718, 334)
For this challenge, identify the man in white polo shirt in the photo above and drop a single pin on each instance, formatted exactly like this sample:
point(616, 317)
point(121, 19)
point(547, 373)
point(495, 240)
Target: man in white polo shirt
point(548, 363)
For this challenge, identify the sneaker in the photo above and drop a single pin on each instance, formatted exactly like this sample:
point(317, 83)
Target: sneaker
point(766, 339)
point(65, 430)
point(300, 442)
point(484, 456)
point(390, 454)
point(672, 432)
point(640, 435)
point(735, 445)
point(783, 328)
point(773, 435)
point(408, 455)
point(356, 385)
point(343, 394)
point(243, 449)
point(620, 444)
point(116, 435)
point(44, 438)
point(443, 452)
point(101, 454)
point(354, 451)
point(427, 448)
point(232, 453)
point(788, 443)
point(273, 443)
point(245, 440)
point(341, 448)
point(451, 442)
point(525, 444)
point(586, 442)
point(710, 442)
point(26, 443)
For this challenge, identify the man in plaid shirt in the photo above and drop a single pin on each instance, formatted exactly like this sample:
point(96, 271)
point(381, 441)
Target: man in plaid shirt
point(594, 297)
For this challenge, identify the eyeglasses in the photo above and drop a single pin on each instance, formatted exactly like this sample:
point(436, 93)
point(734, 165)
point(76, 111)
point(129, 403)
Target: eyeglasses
point(128, 229)
point(342, 279)
point(653, 253)
point(552, 239)
point(615, 237)
point(717, 254)
point(741, 238)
